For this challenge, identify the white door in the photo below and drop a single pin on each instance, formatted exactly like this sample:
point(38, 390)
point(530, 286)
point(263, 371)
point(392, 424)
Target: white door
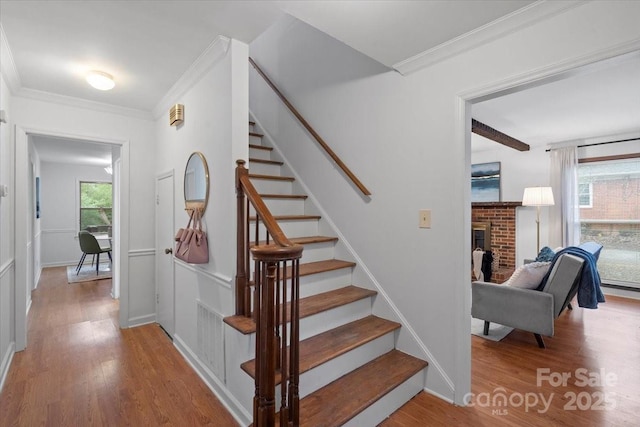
point(164, 252)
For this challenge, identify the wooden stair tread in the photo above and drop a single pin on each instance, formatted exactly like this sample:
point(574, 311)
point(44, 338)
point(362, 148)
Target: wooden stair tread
point(340, 401)
point(284, 196)
point(321, 348)
point(271, 177)
point(268, 162)
point(260, 147)
point(308, 306)
point(291, 217)
point(259, 135)
point(316, 267)
point(252, 123)
point(308, 240)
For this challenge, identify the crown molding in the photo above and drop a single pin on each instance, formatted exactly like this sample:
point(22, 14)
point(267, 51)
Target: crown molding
point(505, 25)
point(211, 55)
point(7, 65)
point(71, 101)
point(10, 73)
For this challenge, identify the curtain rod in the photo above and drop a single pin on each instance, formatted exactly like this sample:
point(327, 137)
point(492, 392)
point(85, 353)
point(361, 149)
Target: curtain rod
point(601, 143)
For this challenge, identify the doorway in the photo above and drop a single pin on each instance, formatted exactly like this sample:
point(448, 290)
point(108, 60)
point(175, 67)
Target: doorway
point(521, 173)
point(165, 284)
point(27, 149)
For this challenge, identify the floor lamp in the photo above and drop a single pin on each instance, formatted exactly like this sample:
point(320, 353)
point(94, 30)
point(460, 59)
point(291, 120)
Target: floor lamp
point(537, 196)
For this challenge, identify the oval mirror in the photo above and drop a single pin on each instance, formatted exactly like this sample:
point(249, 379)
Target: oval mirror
point(196, 182)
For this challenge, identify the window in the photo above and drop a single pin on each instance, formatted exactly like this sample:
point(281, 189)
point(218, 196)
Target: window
point(612, 216)
point(96, 203)
point(584, 193)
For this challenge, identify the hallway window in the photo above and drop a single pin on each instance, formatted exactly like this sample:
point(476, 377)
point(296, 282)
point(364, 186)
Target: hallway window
point(96, 205)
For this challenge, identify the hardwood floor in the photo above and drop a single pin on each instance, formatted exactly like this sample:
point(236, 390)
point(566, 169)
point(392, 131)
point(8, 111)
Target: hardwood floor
point(81, 369)
point(598, 351)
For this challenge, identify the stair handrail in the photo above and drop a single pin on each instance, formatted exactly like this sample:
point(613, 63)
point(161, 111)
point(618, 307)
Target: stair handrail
point(315, 134)
point(277, 267)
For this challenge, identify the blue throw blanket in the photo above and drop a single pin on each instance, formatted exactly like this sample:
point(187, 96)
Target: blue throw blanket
point(589, 292)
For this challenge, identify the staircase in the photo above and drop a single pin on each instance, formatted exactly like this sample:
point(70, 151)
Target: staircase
point(350, 371)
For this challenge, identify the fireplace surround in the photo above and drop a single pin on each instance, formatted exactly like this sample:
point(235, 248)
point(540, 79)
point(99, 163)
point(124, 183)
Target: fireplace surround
point(497, 221)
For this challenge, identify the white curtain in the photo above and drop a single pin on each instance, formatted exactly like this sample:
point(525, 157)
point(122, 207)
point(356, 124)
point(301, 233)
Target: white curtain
point(564, 216)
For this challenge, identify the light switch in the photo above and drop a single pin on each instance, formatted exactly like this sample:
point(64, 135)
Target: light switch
point(425, 218)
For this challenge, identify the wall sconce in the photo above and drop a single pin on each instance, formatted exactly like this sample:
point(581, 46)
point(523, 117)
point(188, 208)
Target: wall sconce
point(176, 115)
point(538, 196)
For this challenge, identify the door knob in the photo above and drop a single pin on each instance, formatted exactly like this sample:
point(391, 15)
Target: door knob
point(168, 251)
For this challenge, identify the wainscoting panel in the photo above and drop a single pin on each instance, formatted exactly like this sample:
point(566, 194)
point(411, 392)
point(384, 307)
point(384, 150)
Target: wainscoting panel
point(211, 339)
point(7, 343)
point(142, 287)
point(59, 247)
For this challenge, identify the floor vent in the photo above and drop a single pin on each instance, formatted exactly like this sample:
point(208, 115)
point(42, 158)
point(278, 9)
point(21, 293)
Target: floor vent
point(211, 339)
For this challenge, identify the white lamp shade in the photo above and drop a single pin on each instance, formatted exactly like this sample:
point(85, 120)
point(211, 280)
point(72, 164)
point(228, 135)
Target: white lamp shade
point(537, 196)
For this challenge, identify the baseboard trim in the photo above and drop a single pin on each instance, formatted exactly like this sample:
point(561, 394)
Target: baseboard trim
point(621, 291)
point(6, 363)
point(141, 320)
point(214, 384)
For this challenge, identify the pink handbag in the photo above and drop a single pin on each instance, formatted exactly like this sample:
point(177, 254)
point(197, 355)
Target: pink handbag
point(191, 242)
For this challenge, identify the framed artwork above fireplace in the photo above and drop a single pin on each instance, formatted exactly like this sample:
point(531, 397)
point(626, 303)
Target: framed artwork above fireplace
point(485, 182)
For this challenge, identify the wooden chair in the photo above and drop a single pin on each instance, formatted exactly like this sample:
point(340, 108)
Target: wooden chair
point(89, 245)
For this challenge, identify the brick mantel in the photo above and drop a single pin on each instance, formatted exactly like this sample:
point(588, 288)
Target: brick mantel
point(495, 204)
point(502, 216)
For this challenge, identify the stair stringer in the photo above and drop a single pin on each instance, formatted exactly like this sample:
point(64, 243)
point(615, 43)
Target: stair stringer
point(407, 340)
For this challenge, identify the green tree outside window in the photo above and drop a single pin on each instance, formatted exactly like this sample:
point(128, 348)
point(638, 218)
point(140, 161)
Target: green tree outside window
point(96, 206)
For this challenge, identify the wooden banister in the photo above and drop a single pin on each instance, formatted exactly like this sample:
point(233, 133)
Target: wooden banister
point(276, 280)
point(317, 137)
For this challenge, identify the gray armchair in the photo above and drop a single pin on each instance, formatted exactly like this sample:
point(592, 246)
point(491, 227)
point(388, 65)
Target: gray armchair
point(526, 309)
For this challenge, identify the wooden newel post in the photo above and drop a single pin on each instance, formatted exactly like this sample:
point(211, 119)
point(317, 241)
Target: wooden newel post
point(242, 296)
point(267, 348)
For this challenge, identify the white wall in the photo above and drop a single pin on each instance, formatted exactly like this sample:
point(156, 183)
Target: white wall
point(60, 211)
point(7, 269)
point(518, 170)
point(216, 124)
point(135, 135)
point(403, 137)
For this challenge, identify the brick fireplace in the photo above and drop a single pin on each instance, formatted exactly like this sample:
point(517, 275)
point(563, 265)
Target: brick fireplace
point(500, 219)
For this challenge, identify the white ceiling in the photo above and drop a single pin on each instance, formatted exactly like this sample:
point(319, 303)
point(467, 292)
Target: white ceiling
point(597, 100)
point(148, 45)
point(72, 151)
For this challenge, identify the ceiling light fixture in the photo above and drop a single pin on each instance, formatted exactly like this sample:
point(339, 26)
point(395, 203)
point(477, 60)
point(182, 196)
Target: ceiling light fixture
point(100, 80)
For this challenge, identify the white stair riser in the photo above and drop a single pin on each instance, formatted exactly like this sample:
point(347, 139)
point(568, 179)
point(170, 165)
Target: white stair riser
point(252, 128)
point(326, 320)
point(391, 402)
point(324, 282)
point(322, 375)
point(256, 153)
point(255, 140)
point(282, 206)
point(318, 283)
point(271, 186)
point(299, 228)
point(318, 252)
point(315, 324)
point(264, 168)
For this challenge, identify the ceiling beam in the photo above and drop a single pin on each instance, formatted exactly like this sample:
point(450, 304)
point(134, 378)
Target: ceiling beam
point(497, 136)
